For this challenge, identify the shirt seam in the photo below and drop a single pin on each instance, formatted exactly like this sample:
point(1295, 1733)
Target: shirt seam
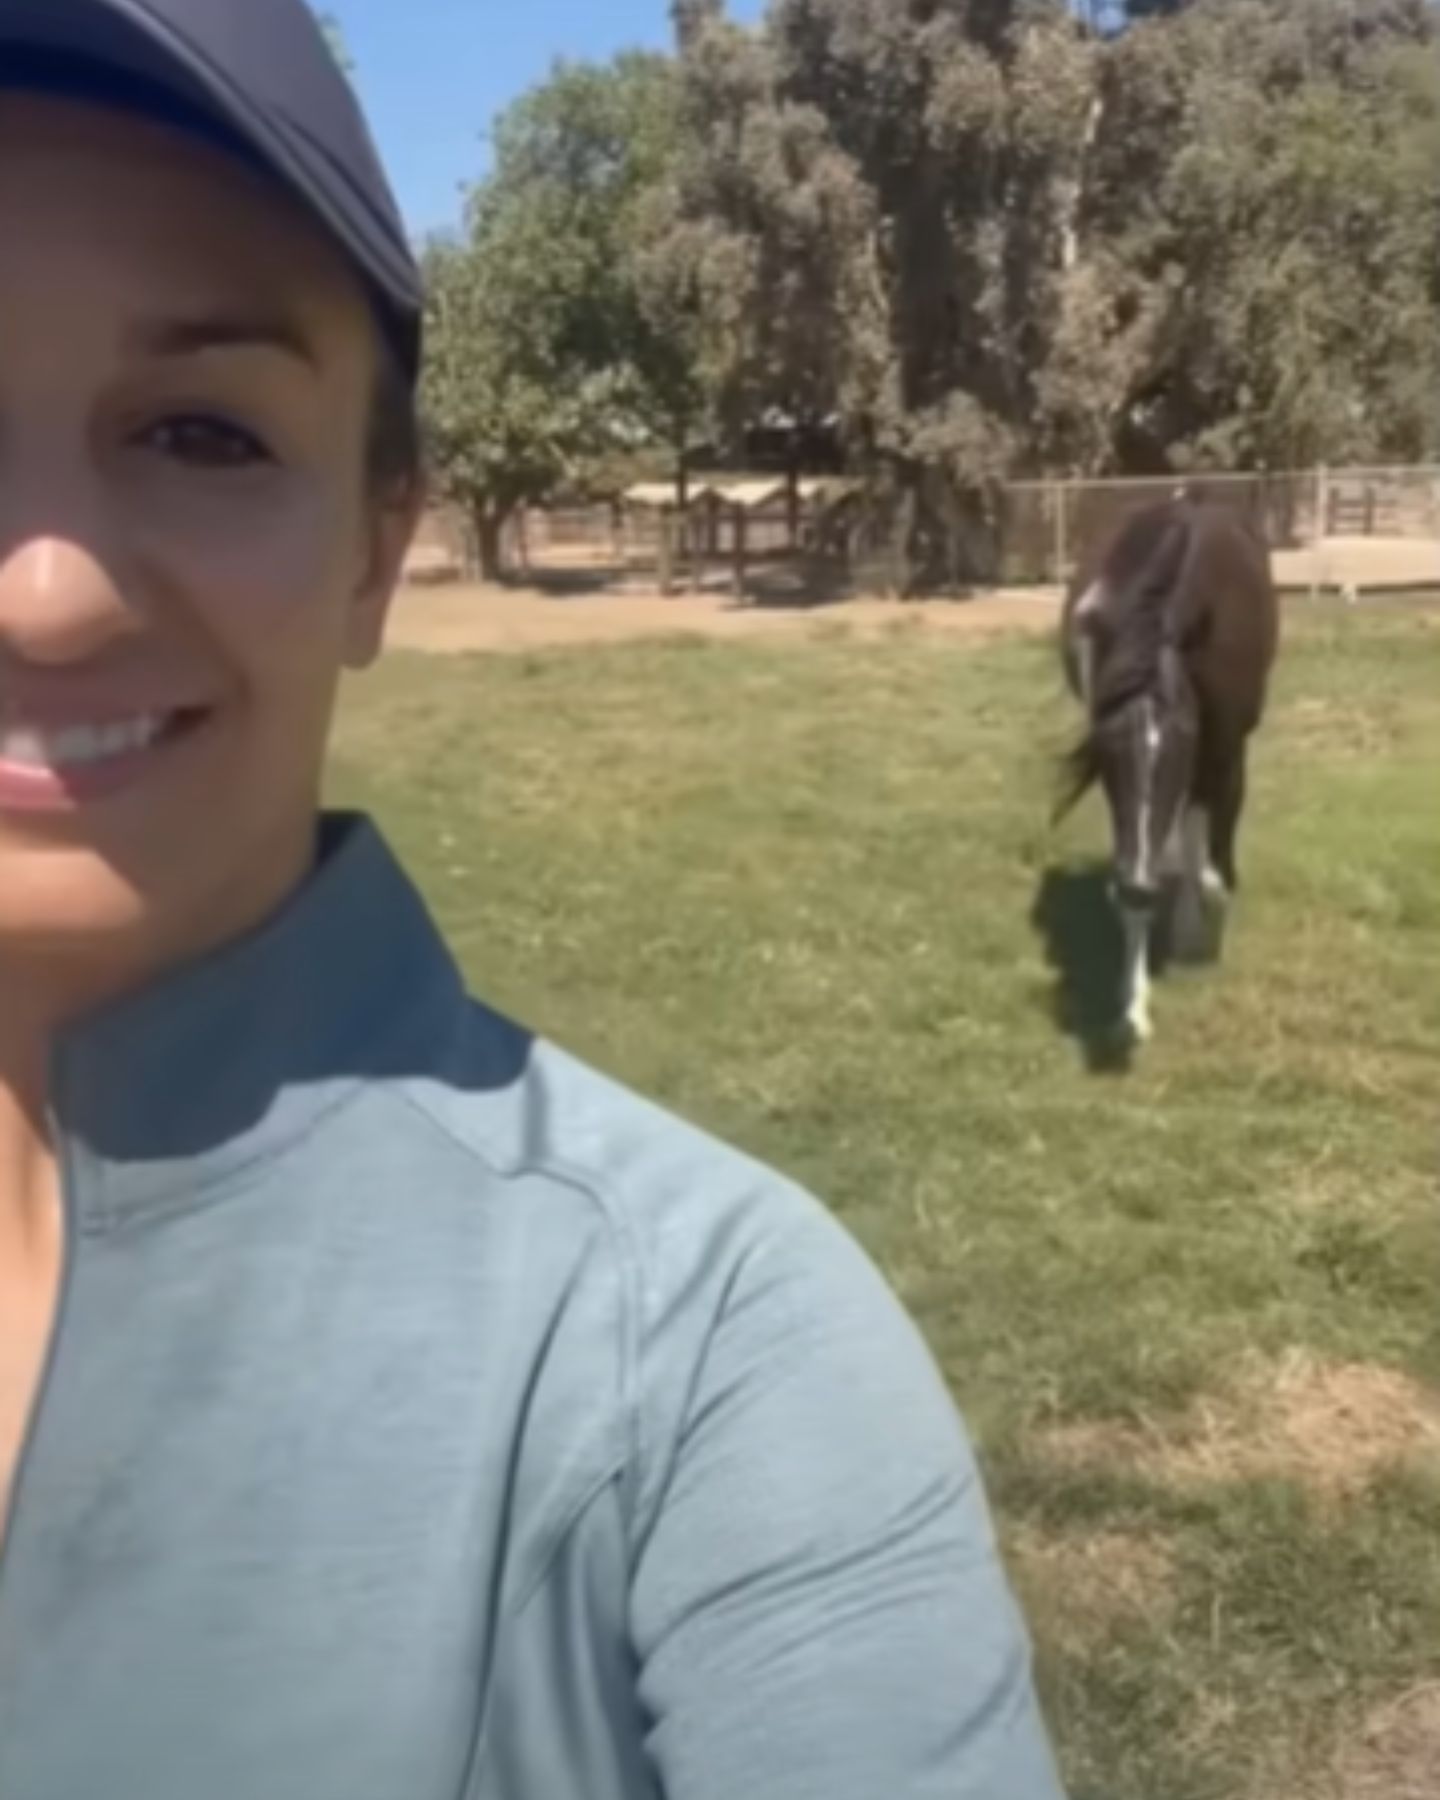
point(257, 1168)
point(515, 1613)
point(603, 1199)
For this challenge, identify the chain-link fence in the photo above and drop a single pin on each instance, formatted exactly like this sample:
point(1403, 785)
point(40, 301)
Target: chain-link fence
point(1328, 528)
point(1050, 528)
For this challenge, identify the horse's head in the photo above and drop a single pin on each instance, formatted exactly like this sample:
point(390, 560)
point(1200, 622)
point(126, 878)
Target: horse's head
point(1142, 750)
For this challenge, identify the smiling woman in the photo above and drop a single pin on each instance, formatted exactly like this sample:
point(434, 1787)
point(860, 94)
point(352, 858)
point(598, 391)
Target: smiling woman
point(388, 1405)
point(192, 554)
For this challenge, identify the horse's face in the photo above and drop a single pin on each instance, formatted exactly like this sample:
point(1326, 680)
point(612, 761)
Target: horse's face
point(1145, 751)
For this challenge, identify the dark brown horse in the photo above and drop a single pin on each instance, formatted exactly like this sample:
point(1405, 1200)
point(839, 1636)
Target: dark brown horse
point(1169, 636)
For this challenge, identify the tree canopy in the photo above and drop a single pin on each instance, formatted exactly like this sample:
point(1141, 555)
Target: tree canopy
point(984, 238)
point(335, 38)
point(544, 366)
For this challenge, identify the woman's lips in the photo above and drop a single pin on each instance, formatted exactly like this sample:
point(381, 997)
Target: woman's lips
point(61, 766)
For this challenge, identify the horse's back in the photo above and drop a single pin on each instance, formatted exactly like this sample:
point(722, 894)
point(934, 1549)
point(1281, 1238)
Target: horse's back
point(1207, 567)
point(1237, 612)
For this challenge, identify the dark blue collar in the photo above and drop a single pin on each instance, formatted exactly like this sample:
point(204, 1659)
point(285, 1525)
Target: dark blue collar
point(201, 1079)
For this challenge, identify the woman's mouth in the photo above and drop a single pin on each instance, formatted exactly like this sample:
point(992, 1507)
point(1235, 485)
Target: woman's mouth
point(55, 767)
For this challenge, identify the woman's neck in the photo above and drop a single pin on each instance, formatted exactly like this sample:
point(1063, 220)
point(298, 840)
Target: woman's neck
point(28, 1028)
point(28, 1181)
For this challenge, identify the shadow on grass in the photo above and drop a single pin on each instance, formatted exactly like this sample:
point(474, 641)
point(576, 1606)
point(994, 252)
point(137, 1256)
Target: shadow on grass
point(781, 586)
point(799, 591)
point(778, 584)
point(568, 584)
point(1074, 916)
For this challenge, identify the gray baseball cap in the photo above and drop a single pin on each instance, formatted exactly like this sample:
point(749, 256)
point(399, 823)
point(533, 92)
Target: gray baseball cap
point(255, 75)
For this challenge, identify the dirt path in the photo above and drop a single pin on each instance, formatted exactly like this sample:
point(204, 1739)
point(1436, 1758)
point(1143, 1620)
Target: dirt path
point(461, 618)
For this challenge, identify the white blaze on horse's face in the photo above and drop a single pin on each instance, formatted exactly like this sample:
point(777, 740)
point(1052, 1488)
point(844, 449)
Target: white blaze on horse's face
point(1138, 919)
point(1148, 756)
point(1145, 752)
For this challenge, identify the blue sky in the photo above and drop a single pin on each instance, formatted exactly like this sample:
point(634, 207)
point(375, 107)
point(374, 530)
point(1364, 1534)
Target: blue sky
point(433, 74)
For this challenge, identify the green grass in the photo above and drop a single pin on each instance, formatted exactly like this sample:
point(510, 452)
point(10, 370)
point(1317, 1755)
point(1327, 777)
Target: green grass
point(806, 893)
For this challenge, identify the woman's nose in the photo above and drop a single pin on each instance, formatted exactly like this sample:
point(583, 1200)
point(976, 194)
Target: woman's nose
point(60, 602)
point(65, 594)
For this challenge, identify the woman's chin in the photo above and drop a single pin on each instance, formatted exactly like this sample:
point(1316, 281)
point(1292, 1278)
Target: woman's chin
point(71, 903)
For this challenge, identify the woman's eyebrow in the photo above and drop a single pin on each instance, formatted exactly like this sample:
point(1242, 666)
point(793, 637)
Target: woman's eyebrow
point(194, 336)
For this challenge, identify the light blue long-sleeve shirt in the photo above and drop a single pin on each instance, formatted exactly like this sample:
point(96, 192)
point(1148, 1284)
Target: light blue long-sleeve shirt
point(428, 1418)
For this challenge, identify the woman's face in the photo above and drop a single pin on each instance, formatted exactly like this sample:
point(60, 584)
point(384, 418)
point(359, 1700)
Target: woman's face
point(189, 555)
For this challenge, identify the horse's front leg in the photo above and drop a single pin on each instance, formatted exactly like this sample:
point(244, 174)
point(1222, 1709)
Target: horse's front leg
point(1137, 921)
point(1200, 894)
point(1225, 819)
point(1198, 862)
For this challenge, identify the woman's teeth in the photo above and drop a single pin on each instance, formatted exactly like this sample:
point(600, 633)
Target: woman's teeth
point(79, 746)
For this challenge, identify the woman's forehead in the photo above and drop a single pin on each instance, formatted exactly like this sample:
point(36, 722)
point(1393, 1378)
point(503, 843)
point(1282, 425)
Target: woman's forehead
point(160, 207)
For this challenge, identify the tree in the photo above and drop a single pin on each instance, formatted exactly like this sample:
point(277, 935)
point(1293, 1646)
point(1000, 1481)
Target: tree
point(757, 244)
point(543, 362)
point(1271, 182)
point(692, 18)
point(869, 217)
point(580, 161)
point(335, 38)
point(988, 237)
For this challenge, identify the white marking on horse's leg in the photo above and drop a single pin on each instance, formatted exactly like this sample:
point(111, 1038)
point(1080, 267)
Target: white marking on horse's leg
point(1199, 866)
point(1137, 971)
point(1192, 916)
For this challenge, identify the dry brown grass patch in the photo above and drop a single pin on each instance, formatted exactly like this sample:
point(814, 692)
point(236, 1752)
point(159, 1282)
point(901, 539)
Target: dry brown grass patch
point(1332, 1426)
point(460, 618)
point(1077, 1586)
point(1397, 1756)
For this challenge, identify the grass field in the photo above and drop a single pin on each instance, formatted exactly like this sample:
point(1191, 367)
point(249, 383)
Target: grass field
point(807, 894)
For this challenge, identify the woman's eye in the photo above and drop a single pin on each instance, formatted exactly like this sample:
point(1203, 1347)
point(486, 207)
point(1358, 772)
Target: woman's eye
point(205, 443)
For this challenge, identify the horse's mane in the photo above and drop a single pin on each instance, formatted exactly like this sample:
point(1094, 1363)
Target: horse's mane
point(1144, 573)
point(1143, 567)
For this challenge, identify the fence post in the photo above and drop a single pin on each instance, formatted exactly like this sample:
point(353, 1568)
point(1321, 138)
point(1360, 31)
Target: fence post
point(667, 553)
point(1062, 532)
point(1321, 528)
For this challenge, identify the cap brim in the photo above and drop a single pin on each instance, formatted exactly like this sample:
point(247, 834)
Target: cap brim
point(123, 36)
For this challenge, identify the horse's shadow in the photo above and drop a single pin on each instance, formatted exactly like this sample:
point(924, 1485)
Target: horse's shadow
point(1074, 915)
point(1084, 944)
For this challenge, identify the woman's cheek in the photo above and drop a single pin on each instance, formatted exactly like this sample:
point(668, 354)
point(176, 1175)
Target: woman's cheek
point(268, 556)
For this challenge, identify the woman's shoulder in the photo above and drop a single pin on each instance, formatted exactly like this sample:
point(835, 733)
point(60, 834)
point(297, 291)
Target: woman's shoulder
point(703, 1253)
point(514, 1117)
